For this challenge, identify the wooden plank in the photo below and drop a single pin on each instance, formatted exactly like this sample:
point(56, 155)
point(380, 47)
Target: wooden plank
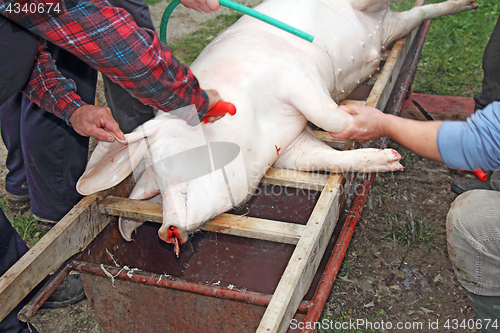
point(305, 260)
point(134, 209)
point(252, 227)
point(225, 223)
point(296, 179)
point(70, 235)
point(327, 138)
point(351, 101)
point(385, 83)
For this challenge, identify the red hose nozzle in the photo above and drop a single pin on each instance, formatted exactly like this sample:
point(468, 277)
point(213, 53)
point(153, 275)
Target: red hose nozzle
point(480, 175)
point(220, 109)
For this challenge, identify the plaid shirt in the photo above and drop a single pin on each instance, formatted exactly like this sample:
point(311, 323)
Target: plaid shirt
point(108, 39)
point(49, 89)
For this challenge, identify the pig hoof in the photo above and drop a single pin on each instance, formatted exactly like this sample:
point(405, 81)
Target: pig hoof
point(396, 155)
point(127, 227)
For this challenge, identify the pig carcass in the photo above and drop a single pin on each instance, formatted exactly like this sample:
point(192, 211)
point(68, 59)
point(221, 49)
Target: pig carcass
point(278, 82)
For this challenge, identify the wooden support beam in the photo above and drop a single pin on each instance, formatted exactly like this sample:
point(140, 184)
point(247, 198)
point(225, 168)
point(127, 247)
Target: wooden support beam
point(327, 138)
point(70, 235)
point(385, 82)
point(133, 209)
point(296, 179)
point(305, 259)
point(251, 227)
point(351, 101)
point(225, 223)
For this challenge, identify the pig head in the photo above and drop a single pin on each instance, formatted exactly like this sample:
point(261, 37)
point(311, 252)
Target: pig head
point(278, 82)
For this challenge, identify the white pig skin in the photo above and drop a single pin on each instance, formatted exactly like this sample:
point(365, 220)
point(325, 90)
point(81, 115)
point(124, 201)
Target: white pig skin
point(278, 82)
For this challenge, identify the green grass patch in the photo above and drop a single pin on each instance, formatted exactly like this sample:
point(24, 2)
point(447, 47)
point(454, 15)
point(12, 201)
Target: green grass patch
point(26, 226)
point(412, 230)
point(152, 2)
point(451, 59)
point(401, 5)
point(187, 49)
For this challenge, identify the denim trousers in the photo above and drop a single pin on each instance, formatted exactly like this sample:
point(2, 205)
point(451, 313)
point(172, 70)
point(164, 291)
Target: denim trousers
point(42, 149)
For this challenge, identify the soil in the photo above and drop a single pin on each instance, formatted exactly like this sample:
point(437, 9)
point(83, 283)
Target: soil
point(379, 282)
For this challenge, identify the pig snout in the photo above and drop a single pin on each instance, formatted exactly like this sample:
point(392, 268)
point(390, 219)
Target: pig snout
point(171, 231)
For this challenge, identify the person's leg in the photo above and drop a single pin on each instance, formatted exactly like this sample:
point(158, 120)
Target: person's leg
point(473, 233)
point(128, 111)
point(55, 155)
point(11, 249)
point(491, 70)
point(16, 185)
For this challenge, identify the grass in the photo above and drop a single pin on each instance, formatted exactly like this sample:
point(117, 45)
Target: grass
point(451, 59)
point(26, 226)
point(187, 49)
point(152, 2)
point(412, 230)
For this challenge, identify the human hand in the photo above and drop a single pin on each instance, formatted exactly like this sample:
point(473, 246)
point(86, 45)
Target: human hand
point(213, 98)
point(206, 6)
point(96, 121)
point(368, 124)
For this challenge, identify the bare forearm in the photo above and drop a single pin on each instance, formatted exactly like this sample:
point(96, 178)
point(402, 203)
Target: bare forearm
point(418, 136)
point(371, 124)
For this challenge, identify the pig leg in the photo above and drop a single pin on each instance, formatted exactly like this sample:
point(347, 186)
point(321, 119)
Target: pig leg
point(308, 153)
point(145, 188)
point(313, 100)
point(397, 25)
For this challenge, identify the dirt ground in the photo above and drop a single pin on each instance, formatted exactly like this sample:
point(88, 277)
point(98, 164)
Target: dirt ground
point(378, 282)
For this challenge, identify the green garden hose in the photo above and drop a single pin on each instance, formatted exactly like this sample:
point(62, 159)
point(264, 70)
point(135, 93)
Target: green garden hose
point(240, 8)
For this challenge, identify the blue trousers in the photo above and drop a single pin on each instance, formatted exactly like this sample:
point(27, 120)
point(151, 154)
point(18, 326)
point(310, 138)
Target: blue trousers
point(11, 249)
point(42, 149)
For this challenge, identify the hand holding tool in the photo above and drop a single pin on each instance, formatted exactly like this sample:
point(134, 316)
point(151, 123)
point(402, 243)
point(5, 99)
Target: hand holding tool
point(220, 109)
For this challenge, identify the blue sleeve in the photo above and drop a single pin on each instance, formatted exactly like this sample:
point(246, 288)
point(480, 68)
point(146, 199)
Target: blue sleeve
point(472, 144)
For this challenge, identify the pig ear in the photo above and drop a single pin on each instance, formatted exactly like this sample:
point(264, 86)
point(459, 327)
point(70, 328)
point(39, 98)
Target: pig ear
point(111, 163)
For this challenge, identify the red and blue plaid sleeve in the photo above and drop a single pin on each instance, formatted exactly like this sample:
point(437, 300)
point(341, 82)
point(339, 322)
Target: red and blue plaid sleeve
point(108, 39)
point(49, 89)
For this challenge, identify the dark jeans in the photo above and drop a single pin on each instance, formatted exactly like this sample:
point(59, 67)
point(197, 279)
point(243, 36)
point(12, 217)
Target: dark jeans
point(491, 67)
point(18, 50)
point(11, 249)
point(42, 149)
